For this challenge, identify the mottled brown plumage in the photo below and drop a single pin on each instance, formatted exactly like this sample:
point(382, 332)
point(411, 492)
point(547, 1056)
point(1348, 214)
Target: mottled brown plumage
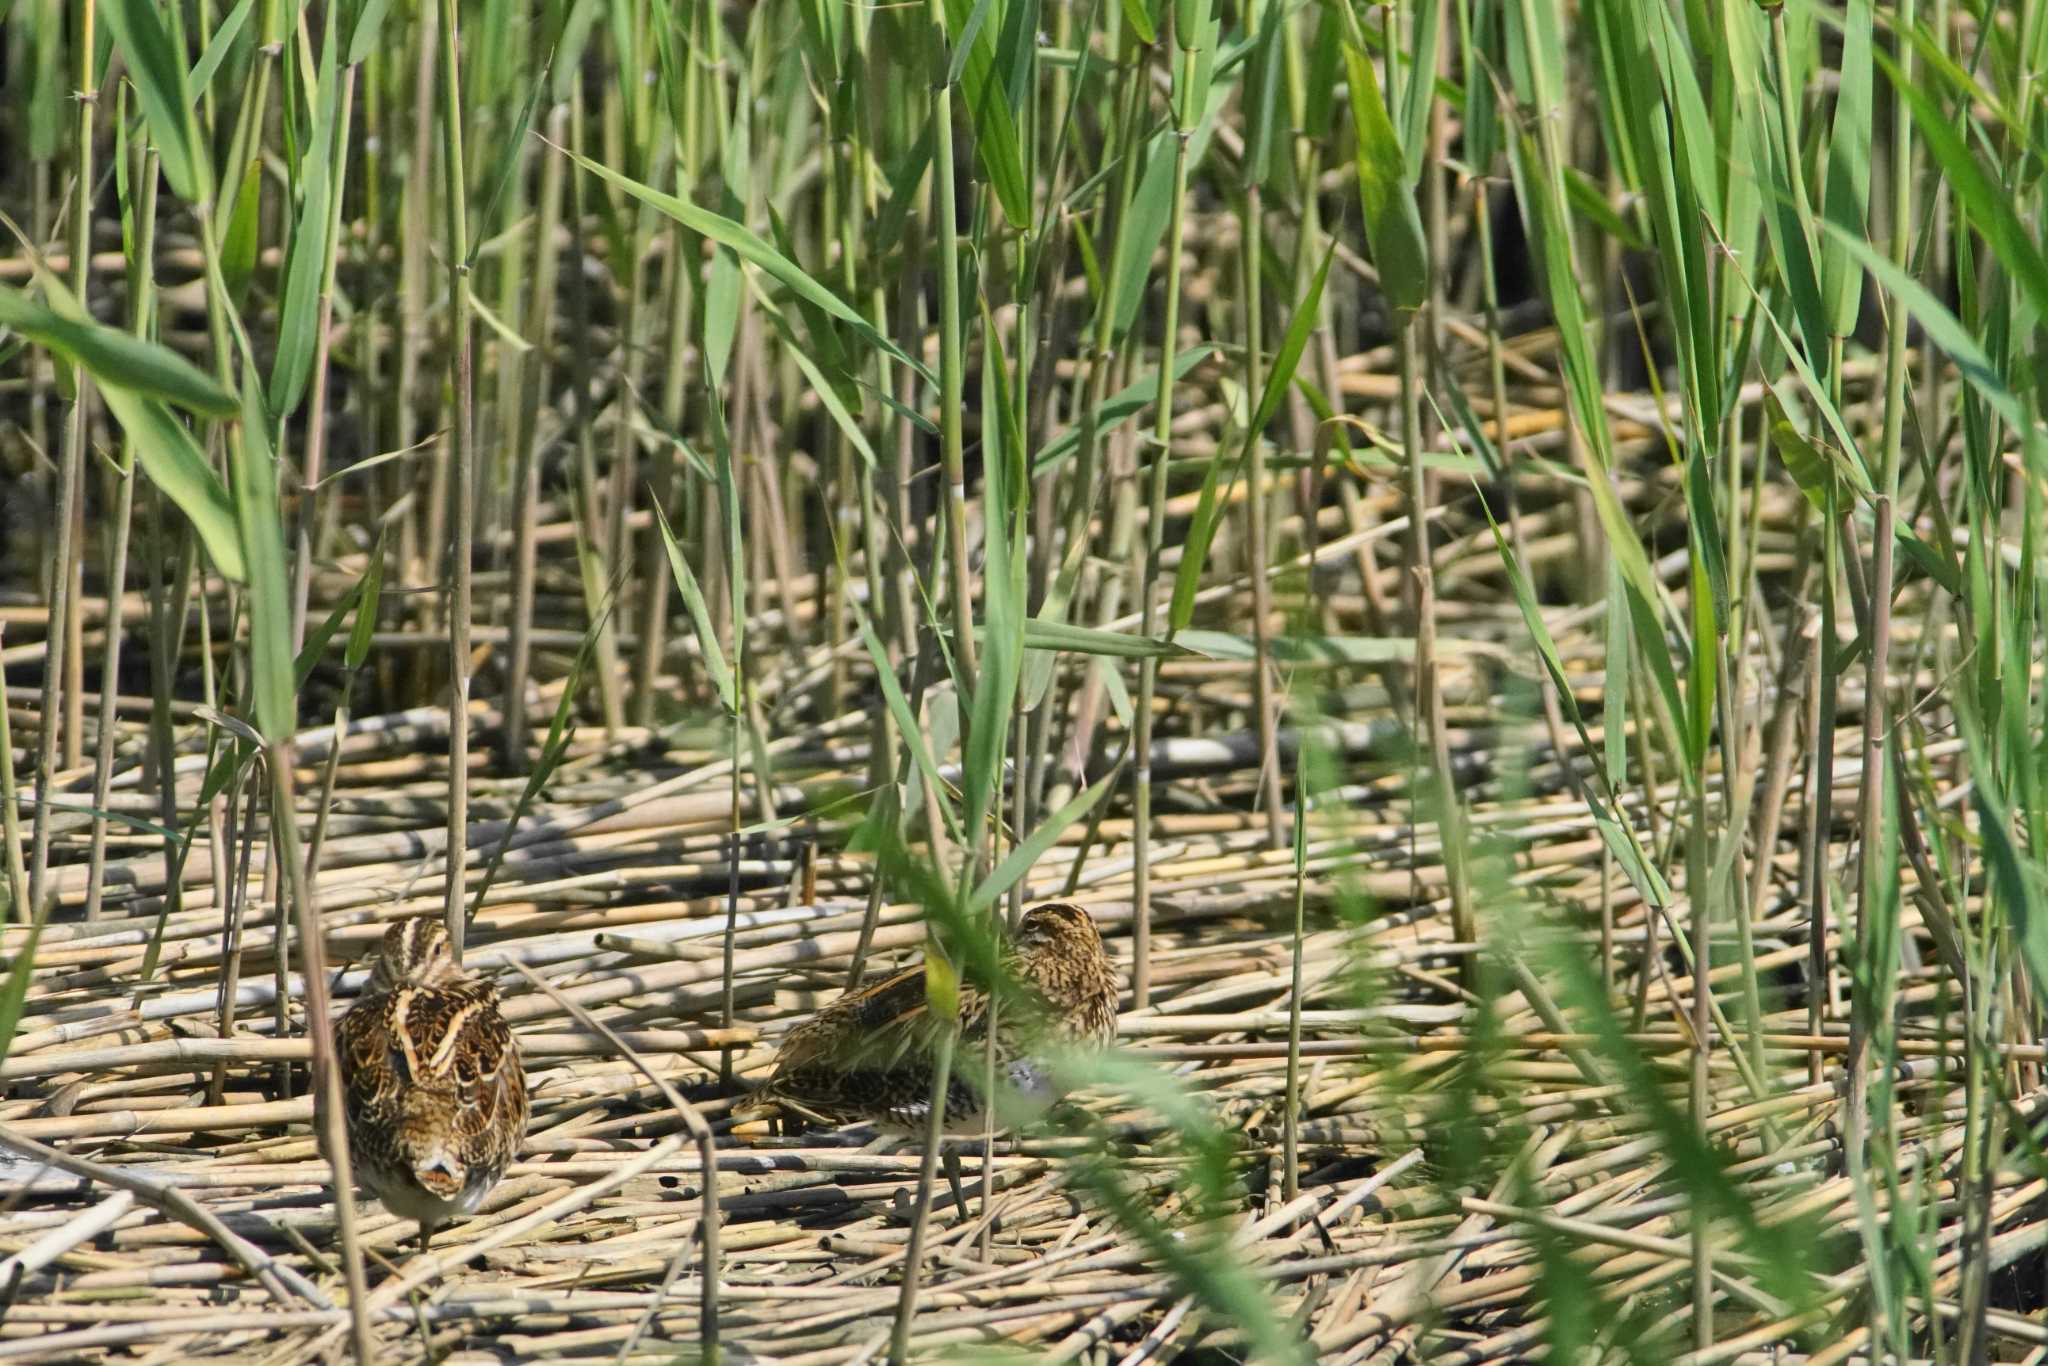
point(869, 1055)
point(431, 1078)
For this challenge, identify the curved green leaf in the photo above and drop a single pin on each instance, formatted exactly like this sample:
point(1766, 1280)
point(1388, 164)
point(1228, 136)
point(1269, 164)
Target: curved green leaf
point(1118, 408)
point(750, 246)
point(176, 465)
point(1847, 194)
point(1393, 227)
point(253, 468)
point(700, 615)
point(134, 377)
point(158, 71)
point(978, 47)
point(299, 316)
point(1033, 847)
point(111, 356)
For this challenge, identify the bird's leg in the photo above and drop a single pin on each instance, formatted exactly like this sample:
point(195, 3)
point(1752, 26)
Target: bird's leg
point(426, 1233)
point(953, 1180)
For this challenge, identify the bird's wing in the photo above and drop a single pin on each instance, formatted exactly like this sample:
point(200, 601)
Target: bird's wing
point(882, 1024)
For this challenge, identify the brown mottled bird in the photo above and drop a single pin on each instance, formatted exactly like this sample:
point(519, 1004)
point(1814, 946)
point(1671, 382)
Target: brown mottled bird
point(431, 1078)
point(870, 1054)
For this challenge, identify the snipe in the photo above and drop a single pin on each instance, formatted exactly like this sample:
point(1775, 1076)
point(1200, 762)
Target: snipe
point(431, 1078)
point(870, 1054)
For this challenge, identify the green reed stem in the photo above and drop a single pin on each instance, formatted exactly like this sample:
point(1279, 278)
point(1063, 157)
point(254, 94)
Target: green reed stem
point(462, 478)
point(952, 367)
point(1155, 537)
point(57, 637)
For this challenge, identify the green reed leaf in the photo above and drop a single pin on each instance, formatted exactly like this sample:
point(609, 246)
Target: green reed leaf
point(252, 472)
point(749, 246)
point(158, 71)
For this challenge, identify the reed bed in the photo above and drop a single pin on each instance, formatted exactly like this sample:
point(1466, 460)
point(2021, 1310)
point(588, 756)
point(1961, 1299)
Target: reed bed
point(1494, 544)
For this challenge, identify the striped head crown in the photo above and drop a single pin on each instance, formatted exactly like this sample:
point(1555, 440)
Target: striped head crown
point(1061, 923)
point(414, 953)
